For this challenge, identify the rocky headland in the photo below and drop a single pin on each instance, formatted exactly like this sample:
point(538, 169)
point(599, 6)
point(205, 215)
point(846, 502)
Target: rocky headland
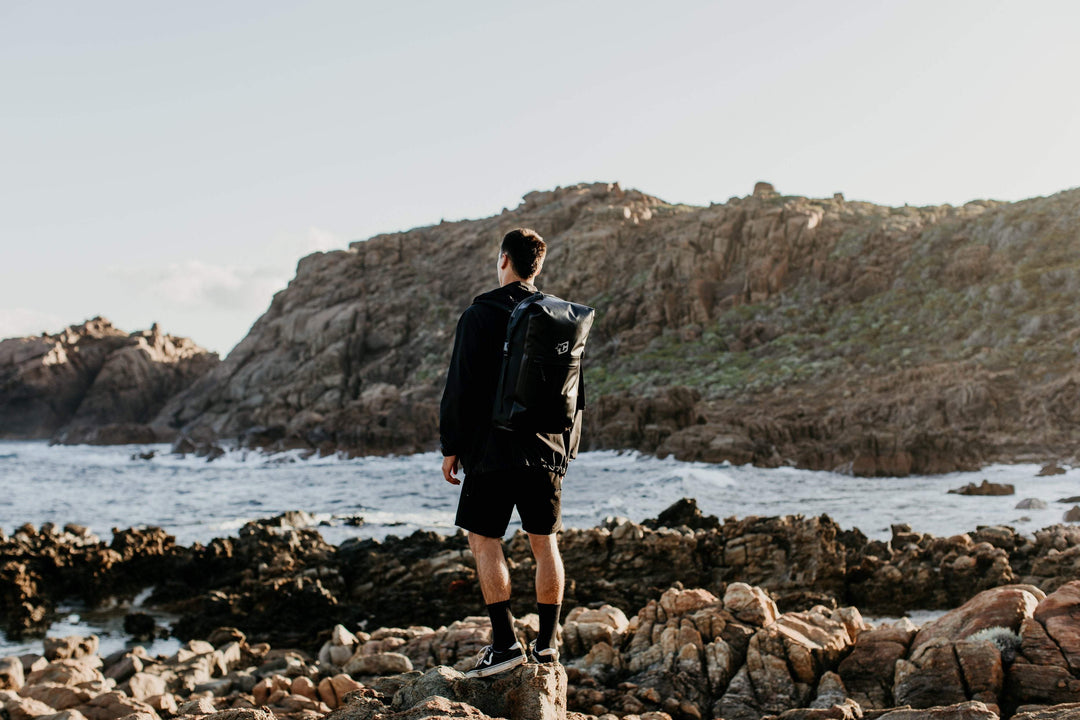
point(684, 615)
point(815, 332)
point(94, 383)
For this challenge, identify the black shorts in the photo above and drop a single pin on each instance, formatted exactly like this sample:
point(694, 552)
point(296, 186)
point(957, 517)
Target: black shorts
point(487, 501)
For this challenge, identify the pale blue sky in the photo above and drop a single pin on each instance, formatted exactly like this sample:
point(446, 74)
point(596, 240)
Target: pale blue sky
point(171, 162)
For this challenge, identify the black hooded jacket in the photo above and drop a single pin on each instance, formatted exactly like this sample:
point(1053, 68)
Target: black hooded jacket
point(465, 426)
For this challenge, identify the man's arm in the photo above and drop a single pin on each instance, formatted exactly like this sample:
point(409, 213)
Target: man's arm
point(450, 467)
point(456, 412)
point(574, 434)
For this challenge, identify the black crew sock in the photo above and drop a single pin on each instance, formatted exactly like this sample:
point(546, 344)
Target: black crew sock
point(549, 622)
point(502, 625)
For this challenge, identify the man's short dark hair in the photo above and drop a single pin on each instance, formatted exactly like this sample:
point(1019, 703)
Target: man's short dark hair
point(526, 250)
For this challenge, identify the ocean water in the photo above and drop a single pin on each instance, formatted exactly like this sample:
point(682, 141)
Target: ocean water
point(197, 500)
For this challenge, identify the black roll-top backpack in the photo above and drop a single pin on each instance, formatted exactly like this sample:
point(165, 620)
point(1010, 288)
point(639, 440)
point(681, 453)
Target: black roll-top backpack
point(539, 383)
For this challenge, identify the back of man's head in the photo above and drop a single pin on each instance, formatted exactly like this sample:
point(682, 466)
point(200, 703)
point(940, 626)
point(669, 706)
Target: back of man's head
point(526, 250)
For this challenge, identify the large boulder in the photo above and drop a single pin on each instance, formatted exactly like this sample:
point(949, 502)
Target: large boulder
point(528, 692)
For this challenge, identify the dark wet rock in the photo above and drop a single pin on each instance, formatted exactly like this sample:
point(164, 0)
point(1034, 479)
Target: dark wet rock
point(140, 625)
point(985, 488)
point(1051, 469)
point(683, 513)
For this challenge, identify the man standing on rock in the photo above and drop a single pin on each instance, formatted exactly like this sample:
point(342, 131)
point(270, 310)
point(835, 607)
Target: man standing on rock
point(504, 468)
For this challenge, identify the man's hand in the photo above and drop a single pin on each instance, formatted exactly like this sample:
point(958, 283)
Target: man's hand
point(449, 469)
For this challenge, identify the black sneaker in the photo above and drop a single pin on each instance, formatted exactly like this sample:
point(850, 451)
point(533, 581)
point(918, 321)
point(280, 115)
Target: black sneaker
point(494, 661)
point(545, 656)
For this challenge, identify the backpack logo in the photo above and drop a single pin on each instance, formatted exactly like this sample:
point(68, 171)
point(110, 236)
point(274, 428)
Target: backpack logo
point(562, 348)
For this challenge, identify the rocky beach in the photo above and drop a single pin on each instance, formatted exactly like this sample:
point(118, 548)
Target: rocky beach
point(770, 330)
point(683, 615)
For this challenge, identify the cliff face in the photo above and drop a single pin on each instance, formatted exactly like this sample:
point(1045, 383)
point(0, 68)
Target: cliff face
point(93, 382)
point(770, 329)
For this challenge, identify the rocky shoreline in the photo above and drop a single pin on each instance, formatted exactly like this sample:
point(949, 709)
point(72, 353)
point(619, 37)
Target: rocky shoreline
point(685, 606)
point(1012, 651)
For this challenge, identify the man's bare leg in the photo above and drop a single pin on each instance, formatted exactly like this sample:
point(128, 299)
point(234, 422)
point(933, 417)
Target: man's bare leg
point(550, 582)
point(491, 568)
point(494, 576)
point(550, 576)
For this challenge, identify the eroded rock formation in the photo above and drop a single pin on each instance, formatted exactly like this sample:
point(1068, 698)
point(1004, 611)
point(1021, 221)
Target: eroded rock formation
point(94, 383)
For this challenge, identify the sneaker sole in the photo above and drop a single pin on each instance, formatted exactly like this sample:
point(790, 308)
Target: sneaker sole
point(497, 668)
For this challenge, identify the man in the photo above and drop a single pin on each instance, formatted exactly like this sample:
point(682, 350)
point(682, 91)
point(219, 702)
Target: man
point(504, 468)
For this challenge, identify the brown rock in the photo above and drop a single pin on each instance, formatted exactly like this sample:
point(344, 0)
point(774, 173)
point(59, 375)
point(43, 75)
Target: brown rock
point(304, 687)
point(1070, 711)
point(70, 714)
point(1072, 514)
point(93, 377)
point(23, 708)
point(846, 710)
point(65, 672)
point(72, 646)
point(868, 671)
point(113, 706)
point(144, 685)
point(1059, 613)
point(11, 673)
point(165, 703)
point(434, 708)
point(60, 697)
point(1005, 606)
point(198, 706)
point(958, 711)
point(241, 714)
point(785, 660)
point(751, 605)
point(1042, 684)
point(585, 628)
point(983, 671)
point(932, 677)
point(527, 691)
point(125, 667)
point(985, 488)
point(387, 663)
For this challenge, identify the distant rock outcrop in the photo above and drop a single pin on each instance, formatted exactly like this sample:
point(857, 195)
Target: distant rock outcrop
point(94, 383)
point(822, 333)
